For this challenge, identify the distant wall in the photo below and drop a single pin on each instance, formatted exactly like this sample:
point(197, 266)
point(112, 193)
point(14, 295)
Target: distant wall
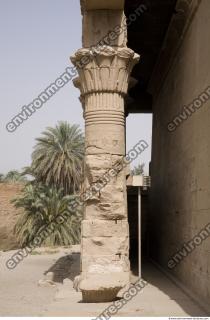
point(180, 169)
point(8, 215)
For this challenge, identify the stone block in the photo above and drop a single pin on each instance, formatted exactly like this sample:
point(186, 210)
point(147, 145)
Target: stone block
point(112, 193)
point(97, 24)
point(105, 245)
point(105, 211)
point(104, 228)
point(103, 287)
point(105, 264)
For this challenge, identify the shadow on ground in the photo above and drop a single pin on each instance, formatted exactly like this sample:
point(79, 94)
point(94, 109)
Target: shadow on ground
point(65, 267)
point(161, 293)
point(155, 277)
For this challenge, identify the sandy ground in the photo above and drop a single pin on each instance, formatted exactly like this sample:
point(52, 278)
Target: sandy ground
point(22, 295)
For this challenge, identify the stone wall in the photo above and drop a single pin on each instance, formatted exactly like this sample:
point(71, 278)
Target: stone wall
point(8, 215)
point(180, 194)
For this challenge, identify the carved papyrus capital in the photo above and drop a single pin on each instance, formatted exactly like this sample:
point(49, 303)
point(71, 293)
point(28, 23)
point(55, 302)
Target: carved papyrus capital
point(106, 71)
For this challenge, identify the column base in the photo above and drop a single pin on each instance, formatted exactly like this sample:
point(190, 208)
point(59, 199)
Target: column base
point(102, 287)
point(107, 295)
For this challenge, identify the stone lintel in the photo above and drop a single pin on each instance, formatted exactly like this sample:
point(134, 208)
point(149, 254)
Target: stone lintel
point(102, 4)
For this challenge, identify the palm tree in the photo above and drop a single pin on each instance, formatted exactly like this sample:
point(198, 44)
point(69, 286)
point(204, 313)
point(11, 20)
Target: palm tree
point(138, 170)
point(14, 176)
point(1, 177)
point(41, 205)
point(57, 159)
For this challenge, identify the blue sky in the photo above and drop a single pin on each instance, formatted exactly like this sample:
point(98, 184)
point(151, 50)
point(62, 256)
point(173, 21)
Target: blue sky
point(37, 38)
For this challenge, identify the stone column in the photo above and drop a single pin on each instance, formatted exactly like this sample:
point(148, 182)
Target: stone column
point(103, 82)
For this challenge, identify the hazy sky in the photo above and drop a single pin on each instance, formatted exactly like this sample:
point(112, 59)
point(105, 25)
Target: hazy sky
point(37, 38)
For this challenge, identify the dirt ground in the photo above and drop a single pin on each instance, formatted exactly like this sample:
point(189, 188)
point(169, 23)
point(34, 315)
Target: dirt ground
point(24, 291)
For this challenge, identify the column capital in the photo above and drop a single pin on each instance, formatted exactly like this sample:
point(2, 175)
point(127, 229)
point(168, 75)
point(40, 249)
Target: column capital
point(105, 71)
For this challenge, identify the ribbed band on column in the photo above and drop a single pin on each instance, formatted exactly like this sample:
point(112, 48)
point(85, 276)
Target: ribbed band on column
point(104, 117)
point(104, 101)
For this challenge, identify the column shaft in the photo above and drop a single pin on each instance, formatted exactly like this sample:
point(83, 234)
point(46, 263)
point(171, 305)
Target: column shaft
point(103, 82)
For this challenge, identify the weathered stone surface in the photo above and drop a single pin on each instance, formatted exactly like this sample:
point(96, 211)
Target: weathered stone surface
point(105, 245)
point(109, 199)
point(98, 23)
point(96, 162)
point(104, 228)
point(105, 211)
point(96, 166)
point(112, 193)
point(104, 168)
point(105, 264)
point(110, 141)
point(103, 287)
point(50, 276)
